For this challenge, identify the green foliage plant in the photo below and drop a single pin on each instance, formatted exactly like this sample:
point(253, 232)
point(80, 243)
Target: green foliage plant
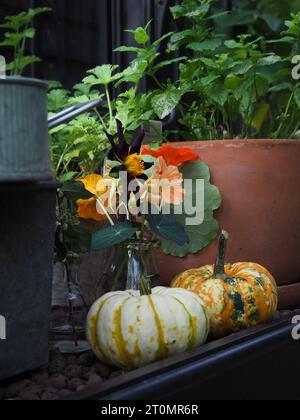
point(19, 31)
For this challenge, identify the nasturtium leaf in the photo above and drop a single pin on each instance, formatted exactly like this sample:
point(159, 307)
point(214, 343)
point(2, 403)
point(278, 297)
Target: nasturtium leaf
point(166, 226)
point(149, 159)
point(199, 235)
point(75, 190)
point(112, 235)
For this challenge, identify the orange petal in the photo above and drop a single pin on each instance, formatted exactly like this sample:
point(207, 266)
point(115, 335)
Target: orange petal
point(90, 182)
point(87, 210)
point(172, 155)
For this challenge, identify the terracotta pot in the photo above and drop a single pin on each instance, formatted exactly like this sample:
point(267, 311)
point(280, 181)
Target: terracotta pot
point(260, 185)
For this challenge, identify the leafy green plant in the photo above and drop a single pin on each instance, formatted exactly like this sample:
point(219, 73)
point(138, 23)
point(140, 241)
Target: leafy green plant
point(286, 90)
point(227, 87)
point(19, 32)
point(231, 87)
point(80, 146)
point(265, 17)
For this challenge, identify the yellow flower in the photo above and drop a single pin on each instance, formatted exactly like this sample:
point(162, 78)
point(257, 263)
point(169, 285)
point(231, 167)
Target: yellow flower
point(91, 183)
point(87, 209)
point(135, 165)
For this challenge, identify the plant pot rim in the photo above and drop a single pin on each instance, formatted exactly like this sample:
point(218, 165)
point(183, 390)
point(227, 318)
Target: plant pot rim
point(23, 81)
point(243, 142)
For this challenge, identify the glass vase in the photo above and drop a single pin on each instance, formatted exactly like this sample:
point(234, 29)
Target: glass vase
point(68, 312)
point(132, 265)
point(142, 271)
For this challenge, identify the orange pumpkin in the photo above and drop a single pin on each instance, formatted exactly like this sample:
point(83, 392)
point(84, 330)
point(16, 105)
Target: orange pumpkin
point(237, 296)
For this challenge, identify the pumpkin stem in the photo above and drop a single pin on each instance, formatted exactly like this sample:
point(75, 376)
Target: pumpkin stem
point(220, 261)
point(144, 286)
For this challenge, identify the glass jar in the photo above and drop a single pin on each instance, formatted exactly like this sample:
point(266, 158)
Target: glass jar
point(130, 264)
point(142, 271)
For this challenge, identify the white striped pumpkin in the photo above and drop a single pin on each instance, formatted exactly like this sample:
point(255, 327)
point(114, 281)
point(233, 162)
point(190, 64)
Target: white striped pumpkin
point(126, 329)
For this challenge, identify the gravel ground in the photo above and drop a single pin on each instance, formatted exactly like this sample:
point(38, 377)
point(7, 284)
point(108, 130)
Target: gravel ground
point(65, 374)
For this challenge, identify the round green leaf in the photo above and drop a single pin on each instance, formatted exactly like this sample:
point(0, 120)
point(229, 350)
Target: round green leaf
point(200, 235)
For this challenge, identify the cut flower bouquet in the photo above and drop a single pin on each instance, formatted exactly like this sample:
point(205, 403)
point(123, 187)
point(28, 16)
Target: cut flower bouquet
point(161, 197)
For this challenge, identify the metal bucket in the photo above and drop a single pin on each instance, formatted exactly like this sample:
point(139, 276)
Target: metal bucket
point(27, 229)
point(24, 144)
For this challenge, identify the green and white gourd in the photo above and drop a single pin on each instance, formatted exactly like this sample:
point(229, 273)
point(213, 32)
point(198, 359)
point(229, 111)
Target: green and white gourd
point(128, 330)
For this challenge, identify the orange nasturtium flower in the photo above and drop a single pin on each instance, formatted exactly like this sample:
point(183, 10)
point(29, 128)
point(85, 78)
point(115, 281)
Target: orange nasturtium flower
point(165, 186)
point(135, 165)
point(87, 209)
point(172, 155)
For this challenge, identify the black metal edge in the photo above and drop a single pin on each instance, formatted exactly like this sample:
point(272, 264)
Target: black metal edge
point(200, 371)
point(24, 81)
point(130, 383)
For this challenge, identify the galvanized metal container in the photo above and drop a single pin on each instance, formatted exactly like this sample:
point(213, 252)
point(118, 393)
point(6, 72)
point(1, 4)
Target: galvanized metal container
point(27, 231)
point(24, 144)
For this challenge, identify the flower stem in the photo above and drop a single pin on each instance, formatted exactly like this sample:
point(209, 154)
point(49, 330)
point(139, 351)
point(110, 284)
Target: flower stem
point(144, 287)
point(102, 206)
point(285, 116)
point(109, 105)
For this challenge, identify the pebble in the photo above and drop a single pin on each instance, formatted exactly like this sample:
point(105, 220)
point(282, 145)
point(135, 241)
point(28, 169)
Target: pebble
point(102, 370)
point(94, 380)
point(57, 365)
point(14, 389)
point(30, 394)
point(58, 381)
point(75, 383)
point(65, 393)
point(41, 377)
point(64, 375)
point(86, 359)
point(73, 371)
point(81, 388)
point(50, 394)
point(71, 360)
